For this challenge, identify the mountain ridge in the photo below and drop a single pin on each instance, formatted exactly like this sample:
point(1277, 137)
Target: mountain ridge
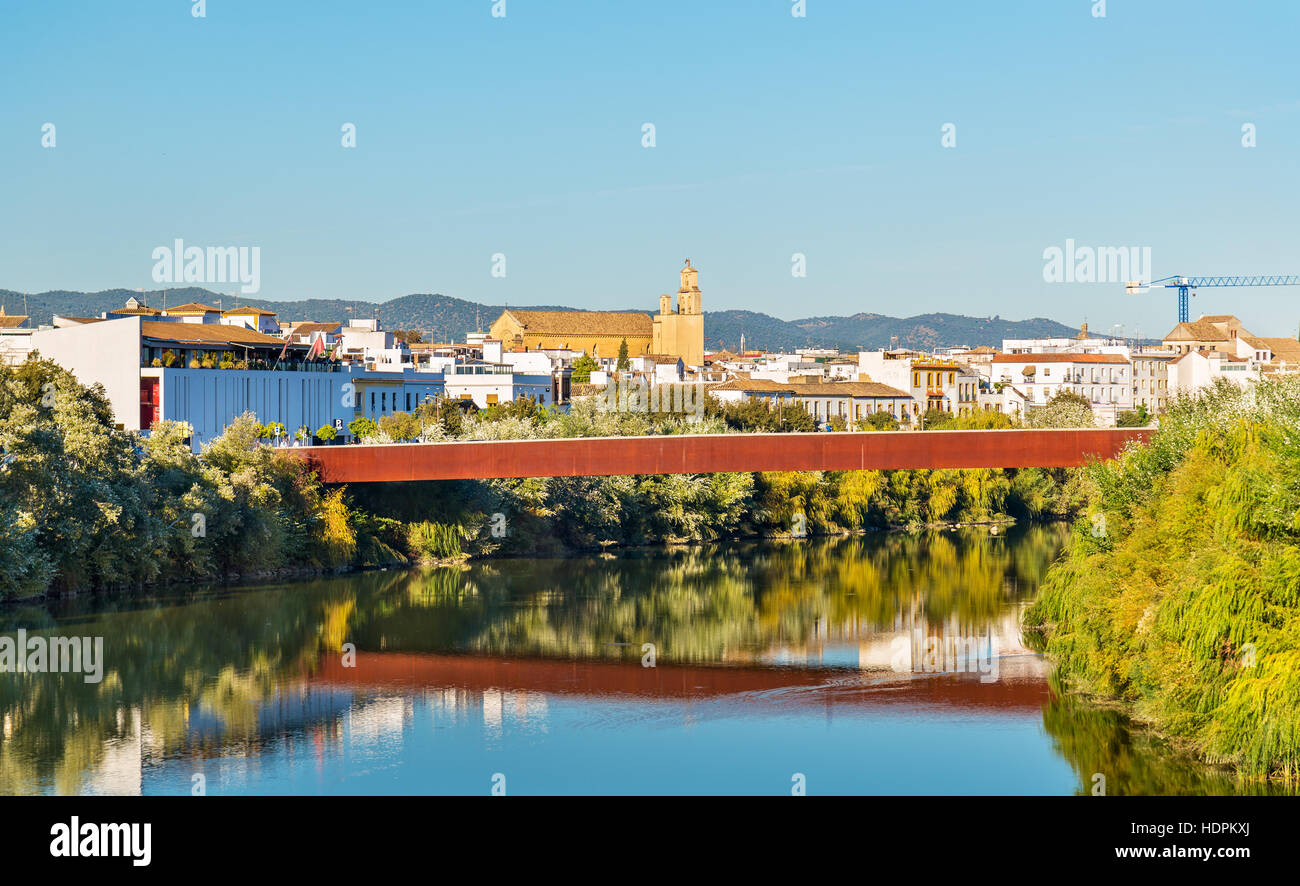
point(445, 317)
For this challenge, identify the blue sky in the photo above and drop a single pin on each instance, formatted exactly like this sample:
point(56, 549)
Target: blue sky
point(774, 135)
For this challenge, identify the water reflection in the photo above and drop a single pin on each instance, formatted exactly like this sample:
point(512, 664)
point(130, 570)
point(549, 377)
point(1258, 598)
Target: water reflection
point(766, 656)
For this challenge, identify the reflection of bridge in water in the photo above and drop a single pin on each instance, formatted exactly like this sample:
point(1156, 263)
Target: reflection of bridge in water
point(1021, 687)
point(717, 453)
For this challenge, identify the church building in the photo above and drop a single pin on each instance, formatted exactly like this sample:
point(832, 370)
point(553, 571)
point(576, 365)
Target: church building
point(600, 334)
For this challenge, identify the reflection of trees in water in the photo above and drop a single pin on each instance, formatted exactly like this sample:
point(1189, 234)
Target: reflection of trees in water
point(717, 603)
point(163, 662)
point(1102, 741)
point(194, 674)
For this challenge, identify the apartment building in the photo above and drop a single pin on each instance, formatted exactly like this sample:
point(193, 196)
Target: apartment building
point(1151, 388)
point(1104, 380)
point(931, 382)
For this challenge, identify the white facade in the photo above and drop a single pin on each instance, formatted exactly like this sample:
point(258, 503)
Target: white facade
point(360, 342)
point(1196, 369)
point(932, 383)
point(378, 394)
point(1104, 380)
point(107, 353)
point(1151, 386)
point(490, 384)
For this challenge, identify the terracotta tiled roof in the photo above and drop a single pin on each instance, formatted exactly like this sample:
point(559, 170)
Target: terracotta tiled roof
point(820, 389)
point(193, 308)
point(1207, 353)
point(208, 334)
point(578, 323)
point(753, 384)
point(248, 310)
point(12, 321)
point(309, 327)
point(1197, 330)
point(1060, 358)
point(1287, 349)
point(849, 389)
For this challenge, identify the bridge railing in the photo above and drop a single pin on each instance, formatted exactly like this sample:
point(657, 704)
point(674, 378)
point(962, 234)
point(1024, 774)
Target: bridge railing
point(717, 453)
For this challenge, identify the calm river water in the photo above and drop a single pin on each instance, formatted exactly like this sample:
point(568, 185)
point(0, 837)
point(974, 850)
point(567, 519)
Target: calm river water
point(887, 664)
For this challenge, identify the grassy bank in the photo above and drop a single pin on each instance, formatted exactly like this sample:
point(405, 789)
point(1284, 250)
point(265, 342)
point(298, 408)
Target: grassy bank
point(1179, 592)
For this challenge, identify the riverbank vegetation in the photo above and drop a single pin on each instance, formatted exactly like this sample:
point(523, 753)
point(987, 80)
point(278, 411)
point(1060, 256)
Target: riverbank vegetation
point(1180, 589)
point(85, 505)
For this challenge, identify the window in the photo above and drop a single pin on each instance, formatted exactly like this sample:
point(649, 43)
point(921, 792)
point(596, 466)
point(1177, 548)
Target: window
point(492, 399)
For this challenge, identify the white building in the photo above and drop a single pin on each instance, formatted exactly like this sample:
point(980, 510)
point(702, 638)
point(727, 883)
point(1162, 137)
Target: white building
point(257, 319)
point(489, 384)
point(364, 343)
point(1193, 370)
point(154, 370)
point(853, 401)
point(15, 338)
point(1104, 380)
point(1151, 386)
point(932, 382)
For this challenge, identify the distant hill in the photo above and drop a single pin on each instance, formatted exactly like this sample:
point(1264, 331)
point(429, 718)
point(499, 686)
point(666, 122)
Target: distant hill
point(443, 318)
point(925, 331)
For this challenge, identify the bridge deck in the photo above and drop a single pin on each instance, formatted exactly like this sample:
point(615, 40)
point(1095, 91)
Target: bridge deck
point(717, 453)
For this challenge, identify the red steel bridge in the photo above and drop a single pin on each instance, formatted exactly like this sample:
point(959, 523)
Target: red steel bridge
point(717, 453)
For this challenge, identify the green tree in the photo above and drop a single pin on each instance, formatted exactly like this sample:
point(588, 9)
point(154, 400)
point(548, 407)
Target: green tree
point(582, 368)
point(1135, 418)
point(362, 428)
point(400, 426)
point(1065, 410)
point(409, 336)
point(623, 364)
point(936, 420)
point(880, 420)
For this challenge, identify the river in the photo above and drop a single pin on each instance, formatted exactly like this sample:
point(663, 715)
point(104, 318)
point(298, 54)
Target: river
point(881, 664)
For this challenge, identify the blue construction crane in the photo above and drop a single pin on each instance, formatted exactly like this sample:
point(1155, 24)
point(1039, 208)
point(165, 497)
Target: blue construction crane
point(1187, 286)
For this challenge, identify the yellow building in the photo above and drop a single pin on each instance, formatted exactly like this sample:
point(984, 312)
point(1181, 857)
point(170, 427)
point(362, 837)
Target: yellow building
point(678, 333)
point(596, 333)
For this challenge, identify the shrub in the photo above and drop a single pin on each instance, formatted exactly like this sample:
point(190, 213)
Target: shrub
point(434, 541)
point(362, 428)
